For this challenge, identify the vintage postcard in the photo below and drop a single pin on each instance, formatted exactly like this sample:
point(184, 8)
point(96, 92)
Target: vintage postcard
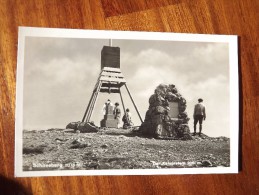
point(95, 102)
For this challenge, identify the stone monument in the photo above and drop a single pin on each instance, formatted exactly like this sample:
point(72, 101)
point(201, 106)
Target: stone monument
point(109, 120)
point(166, 116)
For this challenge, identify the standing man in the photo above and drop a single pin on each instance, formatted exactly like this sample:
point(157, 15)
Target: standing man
point(199, 115)
point(117, 112)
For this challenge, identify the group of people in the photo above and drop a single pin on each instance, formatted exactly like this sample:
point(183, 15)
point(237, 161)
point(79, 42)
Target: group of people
point(199, 115)
point(117, 114)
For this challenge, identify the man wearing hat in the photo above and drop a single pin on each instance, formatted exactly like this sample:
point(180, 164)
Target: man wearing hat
point(117, 112)
point(199, 115)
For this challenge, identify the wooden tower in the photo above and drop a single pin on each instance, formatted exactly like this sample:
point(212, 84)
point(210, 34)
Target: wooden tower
point(110, 80)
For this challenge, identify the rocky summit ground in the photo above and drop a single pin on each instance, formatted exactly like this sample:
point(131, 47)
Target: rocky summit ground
point(64, 149)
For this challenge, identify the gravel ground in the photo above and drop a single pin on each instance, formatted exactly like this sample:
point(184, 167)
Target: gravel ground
point(63, 149)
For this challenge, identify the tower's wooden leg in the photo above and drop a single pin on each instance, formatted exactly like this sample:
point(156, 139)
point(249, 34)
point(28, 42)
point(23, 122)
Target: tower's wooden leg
point(93, 102)
point(86, 111)
point(122, 102)
point(133, 103)
point(90, 107)
point(92, 99)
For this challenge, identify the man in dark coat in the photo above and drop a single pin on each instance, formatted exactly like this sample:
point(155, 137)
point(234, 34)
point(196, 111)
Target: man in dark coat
point(127, 119)
point(199, 115)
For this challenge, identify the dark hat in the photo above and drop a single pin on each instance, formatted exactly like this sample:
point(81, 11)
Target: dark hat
point(127, 110)
point(200, 100)
point(117, 104)
point(108, 100)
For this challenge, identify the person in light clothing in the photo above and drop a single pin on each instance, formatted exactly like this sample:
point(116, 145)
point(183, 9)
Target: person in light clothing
point(106, 106)
point(117, 113)
point(199, 115)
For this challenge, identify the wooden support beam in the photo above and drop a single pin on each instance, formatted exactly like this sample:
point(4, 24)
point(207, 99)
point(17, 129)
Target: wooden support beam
point(90, 108)
point(86, 111)
point(112, 74)
point(94, 102)
point(86, 114)
point(111, 69)
point(112, 79)
point(122, 102)
point(134, 103)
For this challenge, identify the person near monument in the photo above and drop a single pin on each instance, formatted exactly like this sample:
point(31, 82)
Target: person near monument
point(106, 106)
point(117, 112)
point(199, 115)
point(127, 119)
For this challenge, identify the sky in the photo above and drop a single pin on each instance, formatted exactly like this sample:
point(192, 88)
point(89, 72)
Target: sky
point(60, 74)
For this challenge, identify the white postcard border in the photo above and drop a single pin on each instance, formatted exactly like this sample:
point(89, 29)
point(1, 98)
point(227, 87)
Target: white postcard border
point(103, 34)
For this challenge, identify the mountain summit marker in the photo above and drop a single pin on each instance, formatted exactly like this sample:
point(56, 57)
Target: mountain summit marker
point(110, 80)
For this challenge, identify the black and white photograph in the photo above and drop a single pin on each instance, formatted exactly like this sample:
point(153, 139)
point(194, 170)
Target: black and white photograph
point(95, 102)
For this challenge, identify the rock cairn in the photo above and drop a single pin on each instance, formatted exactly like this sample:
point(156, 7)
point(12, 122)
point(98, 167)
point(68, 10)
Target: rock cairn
point(158, 122)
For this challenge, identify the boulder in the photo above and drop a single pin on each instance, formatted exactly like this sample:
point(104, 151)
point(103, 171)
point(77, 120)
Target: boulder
point(73, 125)
point(86, 127)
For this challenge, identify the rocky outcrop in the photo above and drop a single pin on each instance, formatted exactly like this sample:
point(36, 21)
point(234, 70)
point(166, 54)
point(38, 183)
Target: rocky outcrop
point(166, 116)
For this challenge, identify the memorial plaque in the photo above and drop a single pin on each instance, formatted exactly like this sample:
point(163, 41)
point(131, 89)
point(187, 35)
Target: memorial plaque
point(174, 109)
